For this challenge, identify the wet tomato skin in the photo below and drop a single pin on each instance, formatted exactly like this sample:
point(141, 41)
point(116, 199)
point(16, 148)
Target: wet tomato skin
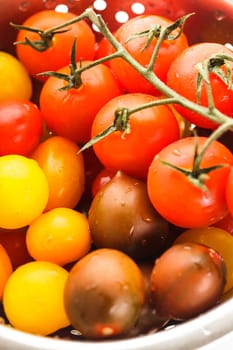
point(216, 238)
point(186, 280)
point(130, 223)
point(104, 294)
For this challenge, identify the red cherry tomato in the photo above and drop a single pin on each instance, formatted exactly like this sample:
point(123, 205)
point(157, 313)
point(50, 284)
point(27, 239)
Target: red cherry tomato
point(70, 113)
point(178, 199)
point(21, 127)
point(127, 75)
point(150, 130)
point(183, 75)
point(58, 53)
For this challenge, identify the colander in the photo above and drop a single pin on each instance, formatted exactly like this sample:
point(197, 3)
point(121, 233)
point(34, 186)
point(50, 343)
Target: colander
point(208, 330)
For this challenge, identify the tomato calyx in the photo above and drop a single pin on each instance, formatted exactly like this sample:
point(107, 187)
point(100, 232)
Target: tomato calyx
point(45, 41)
point(214, 64)
point(156, 31)
point(73, 79)
point(197, 175)
point(120, 123)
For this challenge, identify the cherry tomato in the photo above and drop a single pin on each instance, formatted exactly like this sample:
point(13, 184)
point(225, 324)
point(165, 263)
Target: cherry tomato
point(70, 113)
point(58, 53)
point(64, 170)
point(127, 75)
point(216, 238)
point(33, 298)
point(6, 269)
point(14, 241)
point(179, 200)
point(155, 127)
point(15, 80)
point(21, 127)
point(24, 191)
point(60, 235)
point(186, 280)
point(131, 224)
point(182, 77)
point(104, 307)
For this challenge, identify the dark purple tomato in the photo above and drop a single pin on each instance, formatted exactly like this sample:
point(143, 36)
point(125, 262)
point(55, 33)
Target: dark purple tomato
point(104, 294)
point(122, 217)
point(187, 280)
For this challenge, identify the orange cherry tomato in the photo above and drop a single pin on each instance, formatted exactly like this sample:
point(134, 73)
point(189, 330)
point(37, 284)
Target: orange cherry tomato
point(60, 235)
point(64, 169)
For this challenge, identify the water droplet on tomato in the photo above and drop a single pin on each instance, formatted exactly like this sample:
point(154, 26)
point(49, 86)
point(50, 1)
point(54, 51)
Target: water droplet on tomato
point(146, 218)
point(219, 15)
point(131, 231)
point(177, 152)
point(24, 6)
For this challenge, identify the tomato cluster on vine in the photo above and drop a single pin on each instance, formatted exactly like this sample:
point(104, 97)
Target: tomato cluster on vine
point(119, 205)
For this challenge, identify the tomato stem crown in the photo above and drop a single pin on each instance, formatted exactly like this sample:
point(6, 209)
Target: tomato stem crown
point(45, 41)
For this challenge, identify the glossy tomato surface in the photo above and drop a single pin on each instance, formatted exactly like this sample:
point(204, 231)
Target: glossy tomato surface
point(181, 201)
point(155, 127)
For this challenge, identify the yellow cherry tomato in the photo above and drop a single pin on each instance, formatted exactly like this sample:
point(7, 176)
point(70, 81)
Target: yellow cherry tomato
point(15, 80)
point(60, 235)
point(23, 191)
point(33, 298)
point(216, 238)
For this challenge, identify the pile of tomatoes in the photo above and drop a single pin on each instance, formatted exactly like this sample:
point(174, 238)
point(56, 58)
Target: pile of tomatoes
point(118, 239)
